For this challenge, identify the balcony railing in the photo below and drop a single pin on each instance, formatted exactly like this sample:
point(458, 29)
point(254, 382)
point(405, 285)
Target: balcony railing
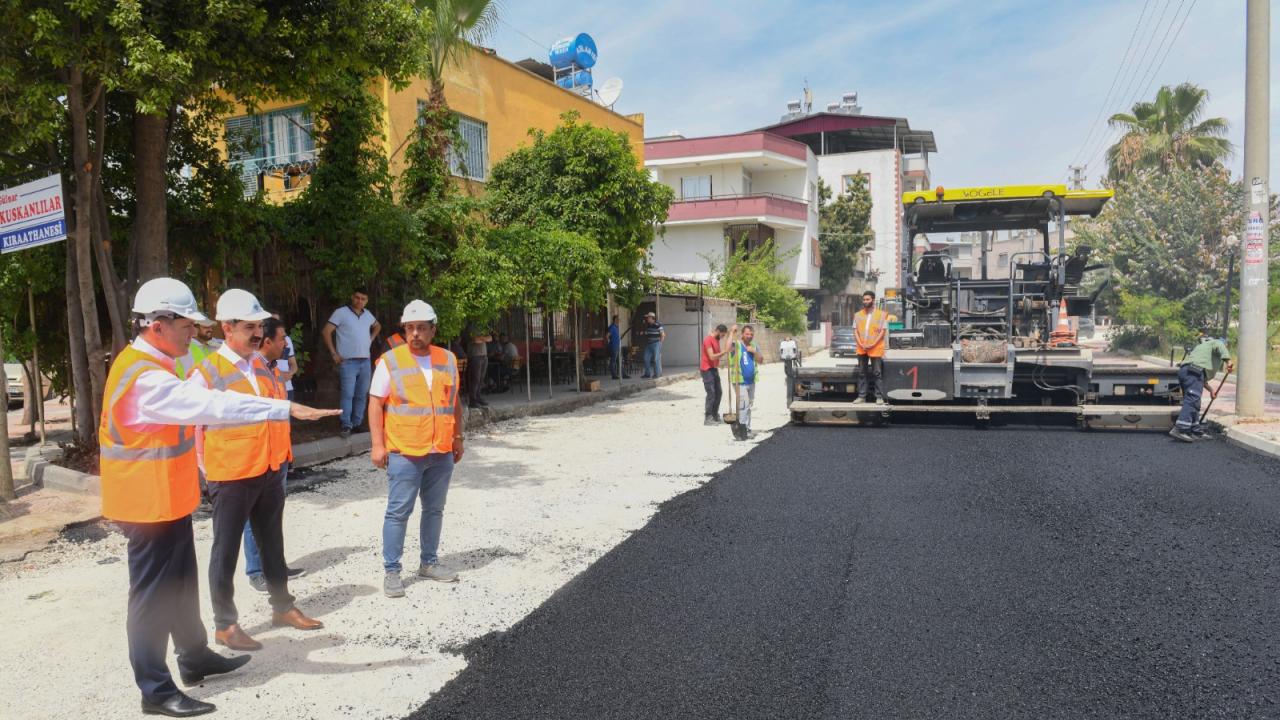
point(736, 205)
point(288, 167)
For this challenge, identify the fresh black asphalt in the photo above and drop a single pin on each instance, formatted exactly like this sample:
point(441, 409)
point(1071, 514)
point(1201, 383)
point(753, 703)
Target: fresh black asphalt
point(919, 572)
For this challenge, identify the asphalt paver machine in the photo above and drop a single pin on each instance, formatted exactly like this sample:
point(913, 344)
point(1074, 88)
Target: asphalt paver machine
point(982, 346)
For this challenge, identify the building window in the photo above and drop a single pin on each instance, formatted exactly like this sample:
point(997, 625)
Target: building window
point(280, 142)
point(1003, 259)
point(696, 187)
point(470, 158)
point(746, 182)
point(847, 180)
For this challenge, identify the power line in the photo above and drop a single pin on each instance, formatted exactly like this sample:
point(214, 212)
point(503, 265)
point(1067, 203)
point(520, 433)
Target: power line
point(525, 35)
point(1166, 45)
point(1106, 101)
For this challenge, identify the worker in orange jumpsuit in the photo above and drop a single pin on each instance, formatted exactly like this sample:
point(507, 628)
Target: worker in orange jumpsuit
point(871, 330)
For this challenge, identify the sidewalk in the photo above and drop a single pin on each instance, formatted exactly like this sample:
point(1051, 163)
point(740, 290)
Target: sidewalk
point(533, 503)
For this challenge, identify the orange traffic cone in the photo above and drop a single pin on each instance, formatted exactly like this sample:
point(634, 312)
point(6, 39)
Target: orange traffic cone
point(1063, 335)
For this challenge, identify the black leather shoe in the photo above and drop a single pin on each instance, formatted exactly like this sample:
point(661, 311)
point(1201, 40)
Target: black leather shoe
point(210, 664)
point(178, 705)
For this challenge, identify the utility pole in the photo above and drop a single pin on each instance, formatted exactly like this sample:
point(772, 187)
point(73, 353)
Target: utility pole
point(1251, 384)
point(1077, 176)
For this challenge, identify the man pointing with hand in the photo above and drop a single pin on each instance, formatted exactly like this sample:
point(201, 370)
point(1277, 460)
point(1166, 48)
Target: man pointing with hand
point(415, 424)
point(150, 487)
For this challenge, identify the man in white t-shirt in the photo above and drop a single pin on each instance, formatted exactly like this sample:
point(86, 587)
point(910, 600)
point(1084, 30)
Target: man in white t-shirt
point(415, 424)
point(789, 351)
point(355, 329)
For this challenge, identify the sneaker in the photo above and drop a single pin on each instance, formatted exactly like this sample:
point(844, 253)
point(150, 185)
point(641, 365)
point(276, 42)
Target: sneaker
point(437, 573)
point(258, 582)
point(1201, 435)
point(710, 421)
point(392, 585)
point(344, 433)
point(1180, 434)
point(751, 434)
point(295, 572)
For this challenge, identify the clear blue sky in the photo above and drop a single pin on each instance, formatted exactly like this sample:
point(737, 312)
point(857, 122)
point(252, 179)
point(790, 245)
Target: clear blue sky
point(1010, 88)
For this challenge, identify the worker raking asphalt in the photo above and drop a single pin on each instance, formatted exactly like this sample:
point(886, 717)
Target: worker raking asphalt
point(912, 572)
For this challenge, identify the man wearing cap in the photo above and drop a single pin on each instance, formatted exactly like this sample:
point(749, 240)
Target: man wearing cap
point(415, 424)
point(202, 346)
point(1197, 369)
point(653, 334)
point(150, 488)
point(244, 465)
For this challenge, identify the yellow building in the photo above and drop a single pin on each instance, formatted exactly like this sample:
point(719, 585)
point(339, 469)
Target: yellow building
point(497, 102)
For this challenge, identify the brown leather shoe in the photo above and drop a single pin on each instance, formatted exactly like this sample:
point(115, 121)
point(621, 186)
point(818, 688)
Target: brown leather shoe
point(295, 619)
point(236, 638)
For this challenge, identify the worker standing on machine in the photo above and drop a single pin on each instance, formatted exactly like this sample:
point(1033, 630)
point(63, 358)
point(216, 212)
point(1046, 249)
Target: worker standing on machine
point(871, 329)
point(1197, 369)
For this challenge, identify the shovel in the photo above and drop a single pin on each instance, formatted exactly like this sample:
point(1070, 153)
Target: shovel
point(731, 418)
point(1214, 396)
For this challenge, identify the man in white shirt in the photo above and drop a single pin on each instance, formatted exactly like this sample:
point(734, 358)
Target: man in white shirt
point(150, 489)
point(355, 328)
point(789, 351)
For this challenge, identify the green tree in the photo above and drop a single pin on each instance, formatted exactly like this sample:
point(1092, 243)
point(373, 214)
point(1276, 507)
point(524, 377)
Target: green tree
point(1163, 235)
point(456, 27)
point(752, 277)
point(1168, 133)
point(586, 180)
point(843, 231)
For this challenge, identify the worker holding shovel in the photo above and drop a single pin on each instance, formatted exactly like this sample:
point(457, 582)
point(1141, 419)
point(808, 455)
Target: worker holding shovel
point(1196, 370)
point(744, 363)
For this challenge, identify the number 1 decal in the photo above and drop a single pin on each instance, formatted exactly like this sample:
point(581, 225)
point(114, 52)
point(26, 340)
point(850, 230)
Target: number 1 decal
point(914, 372)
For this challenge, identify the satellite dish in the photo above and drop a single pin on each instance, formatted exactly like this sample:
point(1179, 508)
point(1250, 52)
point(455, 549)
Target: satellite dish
point(609, 91)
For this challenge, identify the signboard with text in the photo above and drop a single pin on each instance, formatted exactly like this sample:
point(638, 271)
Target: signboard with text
point(32, 215)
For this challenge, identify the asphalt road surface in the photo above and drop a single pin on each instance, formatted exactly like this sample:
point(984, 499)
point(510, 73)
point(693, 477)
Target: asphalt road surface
point(920, 572)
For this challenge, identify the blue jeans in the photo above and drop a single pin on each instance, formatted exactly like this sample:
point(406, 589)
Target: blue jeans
point(252, 559)
point(1192, 380)
point(409, 478)
point(354, 375)
point(653, 360)
point(615, 361)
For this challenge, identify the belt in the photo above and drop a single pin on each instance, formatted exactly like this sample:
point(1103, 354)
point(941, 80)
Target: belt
point(1193, 368)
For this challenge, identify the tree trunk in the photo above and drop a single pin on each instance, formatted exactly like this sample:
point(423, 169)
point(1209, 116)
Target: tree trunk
point(29, 395)
point(85, 177)
point(84, 417)
point(112, 287)
point(150, 239)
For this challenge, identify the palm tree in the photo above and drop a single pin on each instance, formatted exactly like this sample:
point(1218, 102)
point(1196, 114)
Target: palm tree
point(1168, 133)
point(456, 26)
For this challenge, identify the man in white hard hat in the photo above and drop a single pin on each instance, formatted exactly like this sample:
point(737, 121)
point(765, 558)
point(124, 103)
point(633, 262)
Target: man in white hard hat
point(415, 423)
point(245, 465)
point(150, 487)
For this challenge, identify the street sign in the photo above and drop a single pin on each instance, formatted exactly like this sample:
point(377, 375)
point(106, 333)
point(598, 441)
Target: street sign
point(32, 215)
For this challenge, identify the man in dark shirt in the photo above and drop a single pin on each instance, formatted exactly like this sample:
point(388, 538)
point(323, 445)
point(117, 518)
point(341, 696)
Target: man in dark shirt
point(653, 335)
point(709, 365)
point(615, 350)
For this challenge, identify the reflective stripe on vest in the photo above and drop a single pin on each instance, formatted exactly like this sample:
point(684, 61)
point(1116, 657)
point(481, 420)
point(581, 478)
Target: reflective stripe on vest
point(239, 451)
point(147, 476)
point(420, 420)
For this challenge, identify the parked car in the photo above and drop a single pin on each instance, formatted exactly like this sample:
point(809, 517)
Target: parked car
point(843, 342)
point(13, 373)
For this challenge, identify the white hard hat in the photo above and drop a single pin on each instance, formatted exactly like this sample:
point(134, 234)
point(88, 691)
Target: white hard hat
point(238, 304)
point(166, 295)
point(418, 311)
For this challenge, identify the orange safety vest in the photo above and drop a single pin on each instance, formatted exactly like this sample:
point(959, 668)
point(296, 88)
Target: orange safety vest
point(395, 341)
point(244, 450)
point(866, 333)
point(147, 476)
point(419, 420)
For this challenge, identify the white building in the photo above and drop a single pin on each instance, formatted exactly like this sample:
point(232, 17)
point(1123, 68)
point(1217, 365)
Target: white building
point(895, 160)
point(734, 189)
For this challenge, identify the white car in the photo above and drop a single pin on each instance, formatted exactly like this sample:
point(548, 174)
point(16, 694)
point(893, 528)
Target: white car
point(13, 373)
